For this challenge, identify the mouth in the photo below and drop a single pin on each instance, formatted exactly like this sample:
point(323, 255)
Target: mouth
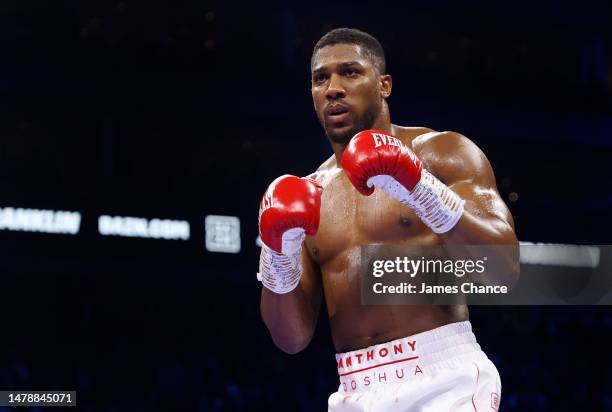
point(337, 113)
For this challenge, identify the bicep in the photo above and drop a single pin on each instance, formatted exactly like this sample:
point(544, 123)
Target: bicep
point(462, 166)
point(484, 202)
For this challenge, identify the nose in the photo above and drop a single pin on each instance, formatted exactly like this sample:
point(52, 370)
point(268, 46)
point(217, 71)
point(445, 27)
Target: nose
point(335, 90)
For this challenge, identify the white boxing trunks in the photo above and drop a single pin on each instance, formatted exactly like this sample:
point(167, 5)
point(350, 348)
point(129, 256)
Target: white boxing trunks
point(435, 371)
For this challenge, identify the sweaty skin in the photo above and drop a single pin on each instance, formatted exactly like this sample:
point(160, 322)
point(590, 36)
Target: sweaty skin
point(348, 221)
point(331, 258)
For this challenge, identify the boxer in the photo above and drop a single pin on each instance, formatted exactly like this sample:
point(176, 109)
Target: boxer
point(384, 184)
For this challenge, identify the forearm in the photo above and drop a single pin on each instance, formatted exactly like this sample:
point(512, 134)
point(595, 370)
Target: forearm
point(475, 228)
point(450, 186)
point(291, 318)
point(290, 297)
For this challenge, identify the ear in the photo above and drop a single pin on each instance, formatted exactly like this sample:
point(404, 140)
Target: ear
point(386, 84)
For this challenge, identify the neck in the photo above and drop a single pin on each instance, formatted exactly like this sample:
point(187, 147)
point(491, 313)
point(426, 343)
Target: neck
point(382, 123)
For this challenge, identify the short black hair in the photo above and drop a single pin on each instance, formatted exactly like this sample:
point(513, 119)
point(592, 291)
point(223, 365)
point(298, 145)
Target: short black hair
point(368, 43)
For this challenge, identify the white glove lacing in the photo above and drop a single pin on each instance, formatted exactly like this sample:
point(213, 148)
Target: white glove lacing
point(434, 203)
point(281, 272)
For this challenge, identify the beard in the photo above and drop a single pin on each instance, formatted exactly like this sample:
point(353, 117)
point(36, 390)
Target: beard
point(364, 122)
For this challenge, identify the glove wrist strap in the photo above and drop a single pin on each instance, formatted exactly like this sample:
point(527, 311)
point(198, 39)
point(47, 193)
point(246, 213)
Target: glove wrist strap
point(277, 272)
point(434, 203)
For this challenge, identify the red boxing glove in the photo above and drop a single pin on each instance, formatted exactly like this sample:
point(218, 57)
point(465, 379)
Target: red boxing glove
point(289, 203)
point(373, 158)
point(289, 210)
point(372, 153)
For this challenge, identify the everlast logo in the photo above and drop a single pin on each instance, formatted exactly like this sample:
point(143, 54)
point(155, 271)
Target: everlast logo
point(266, 203)
point(382, 139)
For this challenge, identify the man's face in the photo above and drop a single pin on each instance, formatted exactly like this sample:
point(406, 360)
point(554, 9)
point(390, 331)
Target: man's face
point(346, 91)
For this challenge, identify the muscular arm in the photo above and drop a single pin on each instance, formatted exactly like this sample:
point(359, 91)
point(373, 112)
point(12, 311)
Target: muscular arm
point(291, 318)
point(486, 220)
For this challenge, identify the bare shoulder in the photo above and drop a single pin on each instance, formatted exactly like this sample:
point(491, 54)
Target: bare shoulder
point(452, 156)
point(431, 145)
point(326, 172)
point(440, 141)
point(408, 134)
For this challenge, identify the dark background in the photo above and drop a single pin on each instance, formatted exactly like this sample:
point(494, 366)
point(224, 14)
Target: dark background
point(186, 108)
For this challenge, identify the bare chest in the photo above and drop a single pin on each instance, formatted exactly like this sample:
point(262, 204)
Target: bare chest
point(349, 219)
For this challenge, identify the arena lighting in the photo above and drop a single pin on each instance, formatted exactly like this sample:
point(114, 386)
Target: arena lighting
point(553, 254)
point(37, 220)
point(559, 255)
point(222, 233)
point(143, 228)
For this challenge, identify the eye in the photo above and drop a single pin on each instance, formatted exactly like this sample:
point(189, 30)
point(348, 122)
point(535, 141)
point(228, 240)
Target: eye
point(319, 77)
point(349, 72)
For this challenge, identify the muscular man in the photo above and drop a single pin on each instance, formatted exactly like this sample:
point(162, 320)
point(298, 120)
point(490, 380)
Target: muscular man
point(384, 184)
